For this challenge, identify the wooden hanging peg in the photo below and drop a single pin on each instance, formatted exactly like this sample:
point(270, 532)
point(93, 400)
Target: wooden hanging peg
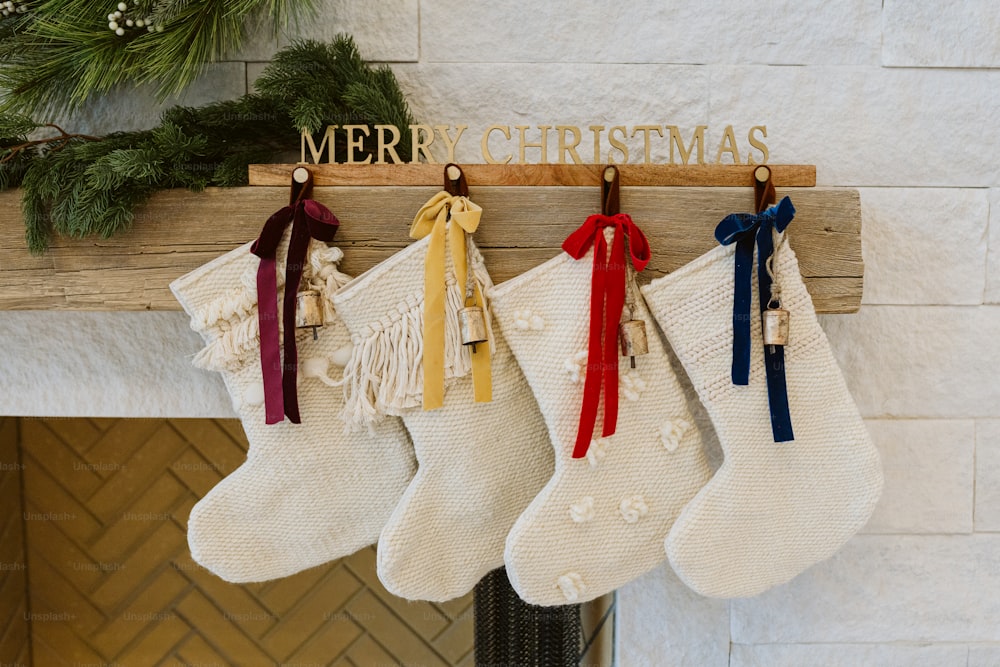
point(302, 185)
point(763, 188)
point(308, 302)
point(454, 181)
point(774, 320)
point(631, 332)
point(610, 191)
point(471, 318)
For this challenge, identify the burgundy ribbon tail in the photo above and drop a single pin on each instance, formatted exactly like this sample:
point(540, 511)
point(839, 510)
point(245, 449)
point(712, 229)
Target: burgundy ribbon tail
point(309, 219)
point(607, 301)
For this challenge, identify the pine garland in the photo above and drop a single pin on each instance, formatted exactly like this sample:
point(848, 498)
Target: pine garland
point(59, 53)
point(78, 185)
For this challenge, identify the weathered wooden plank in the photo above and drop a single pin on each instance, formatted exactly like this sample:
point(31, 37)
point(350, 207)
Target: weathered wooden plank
point(695, 175)
point(522, 227)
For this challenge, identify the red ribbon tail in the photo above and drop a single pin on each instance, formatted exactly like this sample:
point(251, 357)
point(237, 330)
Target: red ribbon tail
point(616, 303)
point(595, 361)
point(607, 302)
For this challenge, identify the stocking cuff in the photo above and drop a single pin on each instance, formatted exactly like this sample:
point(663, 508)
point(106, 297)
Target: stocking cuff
point(694, 306)
point(221, 299)
point(383, 310)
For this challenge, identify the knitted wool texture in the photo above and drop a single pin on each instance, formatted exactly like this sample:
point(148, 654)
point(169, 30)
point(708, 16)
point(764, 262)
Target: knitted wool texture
point(601, 520)
point(307, 493)
point(773, 509)
point(479, 464)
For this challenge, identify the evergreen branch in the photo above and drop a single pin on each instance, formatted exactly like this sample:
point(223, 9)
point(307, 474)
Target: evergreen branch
point(78, 185)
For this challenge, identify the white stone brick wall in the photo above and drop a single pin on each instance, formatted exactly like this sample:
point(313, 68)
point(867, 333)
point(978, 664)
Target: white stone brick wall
point(898, 98)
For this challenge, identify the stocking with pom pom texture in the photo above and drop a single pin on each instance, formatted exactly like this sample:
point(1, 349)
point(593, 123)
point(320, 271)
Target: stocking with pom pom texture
point(600, 521)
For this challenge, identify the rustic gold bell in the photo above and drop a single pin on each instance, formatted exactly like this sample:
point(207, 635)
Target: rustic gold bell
point(775, 324)
point(309, 310)
point(472, 323)
point(632, 337)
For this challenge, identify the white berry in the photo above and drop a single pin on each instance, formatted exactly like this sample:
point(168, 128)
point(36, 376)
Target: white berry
point(111, 17)
point(113, 25)
point(117, 15)
point(120, 32)
point(122, 6)
point(159, 28)
point(139, 23)
point(5, 12)
point(129, 22)
point(149, 28)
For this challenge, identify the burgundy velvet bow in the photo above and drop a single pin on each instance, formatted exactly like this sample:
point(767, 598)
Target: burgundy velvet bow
point(309, 219)
point(607, 300)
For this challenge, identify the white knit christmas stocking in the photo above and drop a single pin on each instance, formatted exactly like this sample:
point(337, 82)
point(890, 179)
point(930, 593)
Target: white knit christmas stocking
point(774, 508)
point(601, 519)
point(479, 463)
point(307, 493)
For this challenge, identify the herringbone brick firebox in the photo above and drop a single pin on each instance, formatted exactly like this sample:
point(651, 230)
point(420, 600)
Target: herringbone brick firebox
point(95, 568)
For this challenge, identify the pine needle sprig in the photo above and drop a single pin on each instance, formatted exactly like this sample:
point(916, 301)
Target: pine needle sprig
point(62, 53)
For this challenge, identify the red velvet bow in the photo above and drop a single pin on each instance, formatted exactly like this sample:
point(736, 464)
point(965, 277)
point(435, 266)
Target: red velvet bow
point(607, 300)
point(309, 219)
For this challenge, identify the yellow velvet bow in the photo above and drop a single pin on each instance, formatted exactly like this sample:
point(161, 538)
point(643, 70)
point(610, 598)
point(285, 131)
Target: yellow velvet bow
point(433, 219)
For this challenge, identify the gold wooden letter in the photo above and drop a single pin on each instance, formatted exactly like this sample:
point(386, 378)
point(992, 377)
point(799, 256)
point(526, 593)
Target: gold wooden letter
point(758, 144)
point(353, 143)
point(485, 144)
point(391, 146)
point(728, 145)
point(616, 144)
point(448, 141)
point(646, 129)
point(597, 130)
point(566, 147)
point(698, 139)
point(317, 153)
point(421, 146)
point(542, 144)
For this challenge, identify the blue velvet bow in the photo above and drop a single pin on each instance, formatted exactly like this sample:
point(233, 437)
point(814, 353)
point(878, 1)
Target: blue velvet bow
point(746, 230)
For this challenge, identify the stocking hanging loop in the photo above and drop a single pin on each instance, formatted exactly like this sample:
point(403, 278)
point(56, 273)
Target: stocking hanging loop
point(455, 183)
point(610, 191)
point(302, 185)
point(763, 188)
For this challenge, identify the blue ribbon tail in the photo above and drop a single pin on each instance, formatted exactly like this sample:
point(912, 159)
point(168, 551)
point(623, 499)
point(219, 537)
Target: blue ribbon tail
point(741, 310)
point(739, 228)
point(774, 355)
point(777, 393)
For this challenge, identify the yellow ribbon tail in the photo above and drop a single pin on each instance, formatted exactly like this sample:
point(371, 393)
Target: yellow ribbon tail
point(434, 314)
point(432, 220)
